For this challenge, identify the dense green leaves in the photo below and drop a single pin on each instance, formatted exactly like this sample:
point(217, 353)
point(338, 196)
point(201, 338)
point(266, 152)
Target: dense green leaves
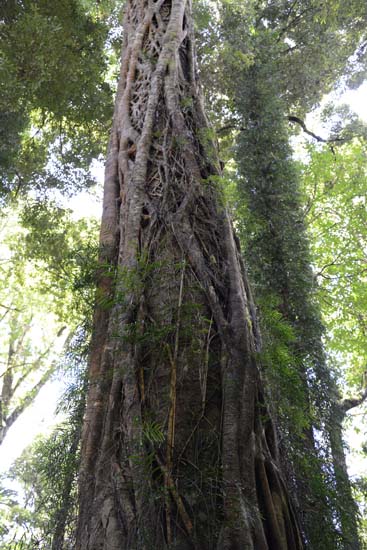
point(41, 512)
point(55, 102)
point(41, 472)
point(336, 212)
point(65, 251)
point(46, 292)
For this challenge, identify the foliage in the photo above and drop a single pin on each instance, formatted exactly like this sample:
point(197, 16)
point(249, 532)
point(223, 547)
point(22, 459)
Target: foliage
point(41, 472)
point(273, 231)
point(360, 494)
point(309, 52)
point(55, 103)
point(43, 512)
point(47, 274)
point(336, 185)
point(65, 251)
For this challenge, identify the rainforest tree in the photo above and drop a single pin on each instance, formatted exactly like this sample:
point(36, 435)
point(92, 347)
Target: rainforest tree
point(258, 69)
point(277, 251)
point(179, 448)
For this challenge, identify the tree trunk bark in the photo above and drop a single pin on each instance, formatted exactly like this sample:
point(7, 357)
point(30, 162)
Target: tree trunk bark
point(178, 448)
point(348, 510)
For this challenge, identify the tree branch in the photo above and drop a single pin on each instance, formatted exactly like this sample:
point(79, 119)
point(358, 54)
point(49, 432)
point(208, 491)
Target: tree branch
point(351, 402)
point(336, 140)
point(9, 308)
point(229, 127)
point(26, 401)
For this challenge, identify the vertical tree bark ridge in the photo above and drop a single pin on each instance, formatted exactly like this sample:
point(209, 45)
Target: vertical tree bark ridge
point(178, 447)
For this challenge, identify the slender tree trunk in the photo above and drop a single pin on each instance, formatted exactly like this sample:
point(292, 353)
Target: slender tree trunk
point(6, 392)
point(178, 447)
point(65, 513)
point(279, 263)
point(13, 404)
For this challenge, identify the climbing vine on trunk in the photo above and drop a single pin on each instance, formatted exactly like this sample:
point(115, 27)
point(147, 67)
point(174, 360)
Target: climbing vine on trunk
point(178, 448)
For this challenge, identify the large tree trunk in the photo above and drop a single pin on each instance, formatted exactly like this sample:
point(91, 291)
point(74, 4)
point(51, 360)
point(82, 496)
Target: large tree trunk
point(178, 449)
